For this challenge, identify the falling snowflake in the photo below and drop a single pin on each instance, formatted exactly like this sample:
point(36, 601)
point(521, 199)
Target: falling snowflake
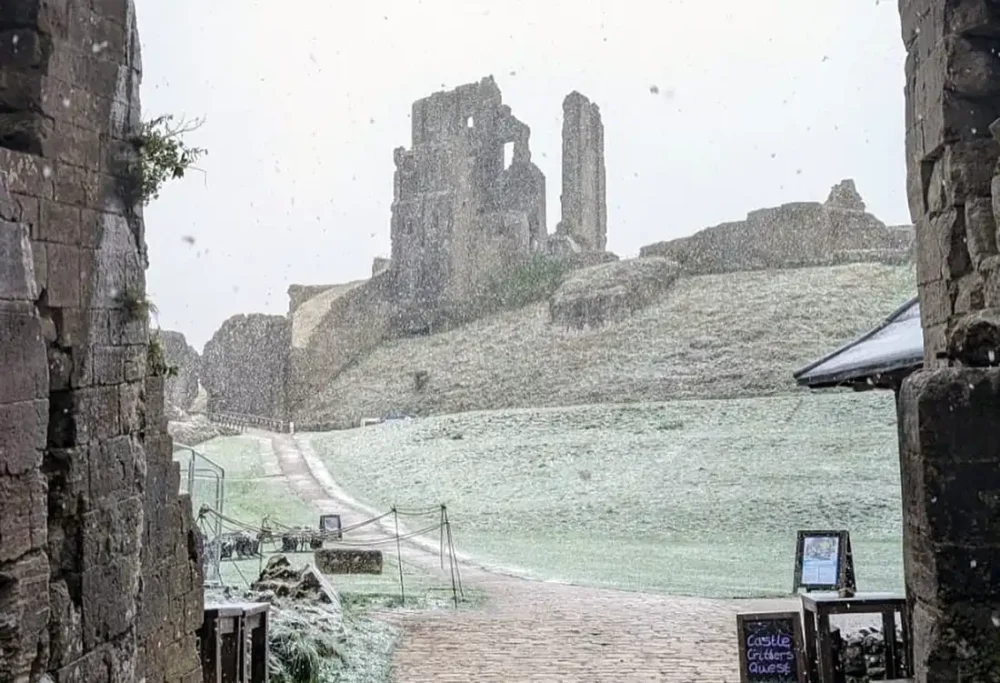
point(654, 89)
point(46, 171)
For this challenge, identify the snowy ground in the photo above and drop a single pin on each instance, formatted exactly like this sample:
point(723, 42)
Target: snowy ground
point(695, 497)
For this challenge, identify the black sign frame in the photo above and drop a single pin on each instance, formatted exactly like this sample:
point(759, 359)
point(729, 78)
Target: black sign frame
point(845, 562)
point(794, 620)
point(338, 528)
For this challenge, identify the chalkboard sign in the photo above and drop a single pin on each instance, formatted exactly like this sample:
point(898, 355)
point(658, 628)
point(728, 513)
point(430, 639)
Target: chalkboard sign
point(771, 647)
point(824, 562)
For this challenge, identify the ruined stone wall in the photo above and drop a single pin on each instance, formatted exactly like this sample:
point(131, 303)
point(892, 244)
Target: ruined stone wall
point(948, 416)
point(352, 325)
point(89, 511)
point(789, 236)
point(182, 388)
point(299, 294)
point(457, 212)
point(245, 364)
point(584, 202)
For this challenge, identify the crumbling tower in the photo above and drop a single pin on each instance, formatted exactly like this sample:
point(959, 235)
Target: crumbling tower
point(584, 201)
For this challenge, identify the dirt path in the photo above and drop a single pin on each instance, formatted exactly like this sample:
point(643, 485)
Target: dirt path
point(535, 630)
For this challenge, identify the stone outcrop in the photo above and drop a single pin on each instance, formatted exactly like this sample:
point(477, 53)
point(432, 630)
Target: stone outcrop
point(791, 236)
point(948, 416)
point(99, 566)
point(584, 194)
point(182, 387)
point(244, 366)
point(604, 294)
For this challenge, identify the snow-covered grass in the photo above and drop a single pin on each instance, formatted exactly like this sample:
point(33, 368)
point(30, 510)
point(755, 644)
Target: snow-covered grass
point(711, 336)
point(698, 497)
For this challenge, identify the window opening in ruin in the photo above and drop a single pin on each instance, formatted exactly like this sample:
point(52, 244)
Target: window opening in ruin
point(508, 154)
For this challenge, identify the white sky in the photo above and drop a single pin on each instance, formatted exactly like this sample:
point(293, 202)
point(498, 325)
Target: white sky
point(760, 103)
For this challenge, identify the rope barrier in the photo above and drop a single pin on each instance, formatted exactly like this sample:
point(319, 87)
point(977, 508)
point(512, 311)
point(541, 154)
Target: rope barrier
point(271, 530)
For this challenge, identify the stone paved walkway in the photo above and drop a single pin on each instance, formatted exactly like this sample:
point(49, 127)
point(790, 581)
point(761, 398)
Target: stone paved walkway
point(540, 631)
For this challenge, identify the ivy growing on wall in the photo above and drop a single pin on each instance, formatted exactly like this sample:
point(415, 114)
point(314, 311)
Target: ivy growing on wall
point(163, 155)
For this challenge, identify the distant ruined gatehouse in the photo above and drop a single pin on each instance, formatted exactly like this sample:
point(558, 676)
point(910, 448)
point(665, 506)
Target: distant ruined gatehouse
point(469, 204)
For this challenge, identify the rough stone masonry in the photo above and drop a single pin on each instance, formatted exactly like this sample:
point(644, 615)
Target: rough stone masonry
point(949, 413)
point(99, 564)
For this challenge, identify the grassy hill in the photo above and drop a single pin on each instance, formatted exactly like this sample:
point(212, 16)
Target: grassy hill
point(695, 497)
point(711, 336)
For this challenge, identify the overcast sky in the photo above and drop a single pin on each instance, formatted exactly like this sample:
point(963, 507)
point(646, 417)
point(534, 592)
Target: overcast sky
point(759, 103)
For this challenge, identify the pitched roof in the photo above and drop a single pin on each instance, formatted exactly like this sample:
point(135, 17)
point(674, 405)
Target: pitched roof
point(893, 347)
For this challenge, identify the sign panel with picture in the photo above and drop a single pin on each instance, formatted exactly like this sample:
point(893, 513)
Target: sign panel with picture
point(329, 525)
point(823, 561)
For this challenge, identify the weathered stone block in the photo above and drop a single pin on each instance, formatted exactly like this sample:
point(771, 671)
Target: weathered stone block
point(980, 229)
point(17, 277)
point(109, 600)
point(64, 275)
point(23, 427)
point(66, 644)
point(112, 468)
point(348, 561)
point(935, 305)
point(967, 294)
point(99, 413)
point(22, 514)
point(59, 223)
point(24, 612)
point(22, 354)
point(974, 71)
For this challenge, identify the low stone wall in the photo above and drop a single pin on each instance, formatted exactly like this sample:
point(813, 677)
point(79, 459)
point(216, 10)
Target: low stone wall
point(862, 654)
point(348, 561)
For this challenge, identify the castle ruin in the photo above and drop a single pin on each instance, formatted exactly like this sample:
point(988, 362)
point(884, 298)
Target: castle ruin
point(469, 201)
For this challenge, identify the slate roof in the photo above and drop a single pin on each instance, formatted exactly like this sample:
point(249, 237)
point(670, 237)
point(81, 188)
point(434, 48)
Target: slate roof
point(893, 348)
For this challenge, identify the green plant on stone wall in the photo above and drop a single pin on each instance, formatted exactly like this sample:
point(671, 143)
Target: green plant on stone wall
point(135, 304)
point(156, 359)
point(163, 155)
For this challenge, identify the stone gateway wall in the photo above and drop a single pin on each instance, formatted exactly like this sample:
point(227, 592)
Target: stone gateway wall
point(244, 366)
point(99, 578)
point(948, 416)
point(182, 388)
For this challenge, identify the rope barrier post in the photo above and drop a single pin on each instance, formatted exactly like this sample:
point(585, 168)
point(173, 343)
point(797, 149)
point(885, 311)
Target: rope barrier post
point(441, 553)
point(451, 545)
point(399, 558)
point(451, 555)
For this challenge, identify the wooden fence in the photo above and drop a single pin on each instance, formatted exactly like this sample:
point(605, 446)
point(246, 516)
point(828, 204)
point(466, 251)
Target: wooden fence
point(244, 422)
